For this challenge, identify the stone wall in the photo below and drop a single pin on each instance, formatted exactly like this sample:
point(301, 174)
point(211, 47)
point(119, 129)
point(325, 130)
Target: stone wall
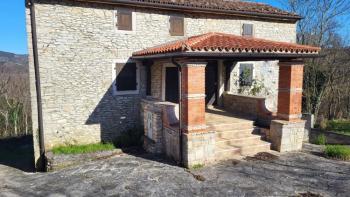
point(77, 46)
point(152, 113)
point(251, 107)
point(266, 74)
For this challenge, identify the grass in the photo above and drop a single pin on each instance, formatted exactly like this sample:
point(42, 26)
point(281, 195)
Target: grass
point(339, 126)
point(320, 140)
point(338, 152)
point(197, 166)
point(80, 149)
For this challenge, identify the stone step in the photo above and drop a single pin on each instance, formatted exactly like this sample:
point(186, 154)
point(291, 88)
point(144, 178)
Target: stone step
point(237, 133)
point(224, 152)
point(239, 142)
point(242, 125)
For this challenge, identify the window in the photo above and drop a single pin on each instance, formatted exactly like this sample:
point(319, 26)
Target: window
point(246, 74)
point(247, 30)
point(124, 20)
point(126, 77)
point(176, 26)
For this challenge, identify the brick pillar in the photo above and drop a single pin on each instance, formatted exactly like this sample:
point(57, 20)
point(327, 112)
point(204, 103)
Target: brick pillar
point(287, 133)
point(193, 97)
point(198, 142)
point(290, 90)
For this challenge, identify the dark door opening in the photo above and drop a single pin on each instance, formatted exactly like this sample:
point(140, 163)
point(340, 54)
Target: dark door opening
point(211, 83)
point(172, 84)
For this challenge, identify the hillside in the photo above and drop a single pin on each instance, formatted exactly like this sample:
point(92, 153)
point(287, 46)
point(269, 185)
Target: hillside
point(12, 63)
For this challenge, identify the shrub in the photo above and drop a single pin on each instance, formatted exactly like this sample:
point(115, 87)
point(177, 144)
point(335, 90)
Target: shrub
point(80, 149)
point(129, 138)
point(340, 126)
point(338, 152)
point(320, 140)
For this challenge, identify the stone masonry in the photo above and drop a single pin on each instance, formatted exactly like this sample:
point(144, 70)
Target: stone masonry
point(265, 73)
point(78, 45)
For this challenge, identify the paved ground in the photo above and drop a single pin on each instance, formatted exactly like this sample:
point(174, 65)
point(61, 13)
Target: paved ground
point(129, 175)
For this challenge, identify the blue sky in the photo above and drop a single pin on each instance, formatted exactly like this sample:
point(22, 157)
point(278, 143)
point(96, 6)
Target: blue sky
point(13, 30)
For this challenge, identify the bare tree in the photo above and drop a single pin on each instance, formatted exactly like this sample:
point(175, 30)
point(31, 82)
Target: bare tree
point(325, 79)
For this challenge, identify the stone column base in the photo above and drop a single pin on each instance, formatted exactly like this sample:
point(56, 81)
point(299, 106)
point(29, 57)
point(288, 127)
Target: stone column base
point(198, 148)
point(287, 136)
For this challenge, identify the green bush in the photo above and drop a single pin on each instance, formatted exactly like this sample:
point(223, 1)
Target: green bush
point(80, 149)
point(129, 138)
point(320, 140)
point(339, 126)
point(338, 152)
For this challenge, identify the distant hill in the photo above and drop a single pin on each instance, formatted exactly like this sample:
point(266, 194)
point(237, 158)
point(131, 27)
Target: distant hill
point(13, 63)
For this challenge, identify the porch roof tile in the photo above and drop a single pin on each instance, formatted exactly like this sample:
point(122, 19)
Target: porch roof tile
point(227, 43)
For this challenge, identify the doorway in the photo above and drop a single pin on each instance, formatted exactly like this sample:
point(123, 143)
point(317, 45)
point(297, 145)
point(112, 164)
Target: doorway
point(172, 84)
point(211, 83)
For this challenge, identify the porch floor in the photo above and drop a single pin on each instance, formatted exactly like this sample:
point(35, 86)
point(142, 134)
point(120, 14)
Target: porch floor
point(215, 116)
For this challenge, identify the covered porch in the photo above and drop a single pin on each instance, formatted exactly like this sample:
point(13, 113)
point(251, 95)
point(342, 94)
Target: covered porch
point(191, 115)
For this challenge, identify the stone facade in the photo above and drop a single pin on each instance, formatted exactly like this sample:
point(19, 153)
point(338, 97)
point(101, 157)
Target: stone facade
point(78, 45)
point(266, 75)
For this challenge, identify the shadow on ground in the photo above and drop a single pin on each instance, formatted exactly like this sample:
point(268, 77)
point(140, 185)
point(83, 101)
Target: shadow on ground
point(17, 153)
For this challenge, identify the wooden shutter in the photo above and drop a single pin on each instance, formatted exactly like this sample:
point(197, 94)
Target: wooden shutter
point(247, 30)
point(124, 19)
point(176, 26)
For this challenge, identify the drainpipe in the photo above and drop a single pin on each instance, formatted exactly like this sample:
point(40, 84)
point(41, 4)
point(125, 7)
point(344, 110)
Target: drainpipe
point(180, 117)
point(42, 159)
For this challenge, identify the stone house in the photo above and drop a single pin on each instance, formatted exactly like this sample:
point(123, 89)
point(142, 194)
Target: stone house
point(207, 80)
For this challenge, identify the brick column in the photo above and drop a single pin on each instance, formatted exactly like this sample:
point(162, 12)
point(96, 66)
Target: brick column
point(290, 90)
point(193, 97)
point(198, 142)
point(287, 133)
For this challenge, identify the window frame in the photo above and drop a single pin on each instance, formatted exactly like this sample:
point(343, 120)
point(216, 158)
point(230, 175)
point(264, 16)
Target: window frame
point(183, 25)
point(133, 19)
point(114, 78)
point(252, 74)
point(253, 30)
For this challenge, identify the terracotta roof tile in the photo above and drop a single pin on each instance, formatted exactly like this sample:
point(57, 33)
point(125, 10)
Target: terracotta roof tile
point(224, 5)
point(220, 42)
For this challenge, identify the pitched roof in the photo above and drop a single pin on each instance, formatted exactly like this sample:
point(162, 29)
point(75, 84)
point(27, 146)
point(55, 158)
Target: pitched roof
point(227, 43)
point(242, 8)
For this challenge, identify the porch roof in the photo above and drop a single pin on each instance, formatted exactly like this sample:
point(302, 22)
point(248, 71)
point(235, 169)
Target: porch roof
point(227, 45)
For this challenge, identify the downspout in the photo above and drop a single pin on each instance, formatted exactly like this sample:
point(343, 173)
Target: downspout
point(180, 106)
point(42, 159)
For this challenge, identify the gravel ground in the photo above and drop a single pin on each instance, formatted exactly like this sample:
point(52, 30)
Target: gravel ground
point(141, 175)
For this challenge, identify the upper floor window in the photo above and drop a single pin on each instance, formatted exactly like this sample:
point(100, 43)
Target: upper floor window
point(176, 26)
point(126, 78)
point(246, 74)
point(124, 20)
point(248, 30)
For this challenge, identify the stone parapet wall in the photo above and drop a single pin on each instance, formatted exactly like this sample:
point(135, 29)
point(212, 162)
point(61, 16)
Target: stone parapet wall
point(251, 107)
point(160, 120)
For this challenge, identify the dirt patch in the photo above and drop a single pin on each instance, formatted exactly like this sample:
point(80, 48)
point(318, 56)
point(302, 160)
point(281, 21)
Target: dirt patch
point(198, 177)
point(264, 156)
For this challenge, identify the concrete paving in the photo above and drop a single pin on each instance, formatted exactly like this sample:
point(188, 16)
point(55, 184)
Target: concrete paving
point(142, 175)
